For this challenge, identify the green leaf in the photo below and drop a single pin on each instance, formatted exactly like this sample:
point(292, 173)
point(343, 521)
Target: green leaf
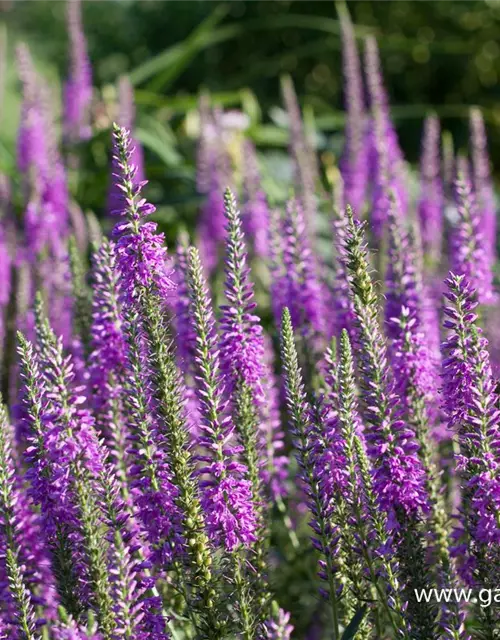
point(269, 135)
point(353, 626)
point(167, 66)
point(183, 103)
point(160, 139)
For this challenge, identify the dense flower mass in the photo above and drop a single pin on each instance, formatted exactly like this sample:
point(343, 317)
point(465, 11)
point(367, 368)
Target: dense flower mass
point(298, 403)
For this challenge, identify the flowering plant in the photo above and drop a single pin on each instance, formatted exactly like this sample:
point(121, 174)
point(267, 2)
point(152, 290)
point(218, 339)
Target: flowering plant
point(244, 437)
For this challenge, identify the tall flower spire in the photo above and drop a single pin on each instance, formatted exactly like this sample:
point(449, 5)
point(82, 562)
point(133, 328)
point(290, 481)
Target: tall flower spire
point(213, 175)
point(38, 159)
point(431, 203)
point(18, 611)
point(243, 368)
point(483, 187)
point(415, 370)
point(108, 357)
point(312, 470)
point(391, 444)
point(158, 416)
point(78, 88)
point(126, 119)
point(59, 519)
point(468, 251)
point(78, 462)
point(297, 285)
point(360, 519)
point(242, 347)
point(471, 405)
point(303, 155)
point(255, 209)
point(230, 513)
point(386, 157)
point(399, 479)
point(354, 161)
point(141, 256)
point(226, 499)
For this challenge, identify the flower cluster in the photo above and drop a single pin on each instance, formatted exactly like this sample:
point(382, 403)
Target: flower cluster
point(195, 447)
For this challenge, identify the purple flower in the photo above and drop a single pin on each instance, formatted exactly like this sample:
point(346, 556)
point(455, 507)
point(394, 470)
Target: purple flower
point(468, 253)
point(19, 574)
point(278, 627)
point(354, 160)
point(274, 470)
point(303, 155)
point(78, 88)
point(255, 209)
point(470, 402)
point(185, 342)
point(38, 159)
point(70, 630)
point(241, 345)
point(483, 187)
point(431, 203)
point(185, 335)
point(32, 144)
point(154, 493)
point(398, 473)
point(227, 497)
point(108, 356)
point(141, 256)
point(126, 118)
point(213, 176)
point(320, 466)
point(386, 162)
point(414, 362)
point(296, 283)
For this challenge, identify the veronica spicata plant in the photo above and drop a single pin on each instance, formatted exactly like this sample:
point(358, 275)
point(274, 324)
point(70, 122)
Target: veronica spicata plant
point(279, 429)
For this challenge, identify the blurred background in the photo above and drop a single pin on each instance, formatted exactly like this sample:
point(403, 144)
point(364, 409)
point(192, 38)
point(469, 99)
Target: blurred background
point(440, 56)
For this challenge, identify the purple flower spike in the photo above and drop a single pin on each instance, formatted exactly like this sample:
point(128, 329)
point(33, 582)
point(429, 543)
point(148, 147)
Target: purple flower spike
point(213, 176)
point(354, 161)
point(186, 337)
point(256, 209)
point(470, 402)
point(46, 218)
point(303, 155)
point(108, 357)
point(126, 118)
point(279, 627)
point(431, 203)
point(17, 613)
point(78, 89)
point(31, 141)
point(227, 496)
point(398, 473)
point(387, 171)
point(414, 360)
point(296, 284)
point(468, 251)
point(242, 345)
point(483, 187)
point(141, 256)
